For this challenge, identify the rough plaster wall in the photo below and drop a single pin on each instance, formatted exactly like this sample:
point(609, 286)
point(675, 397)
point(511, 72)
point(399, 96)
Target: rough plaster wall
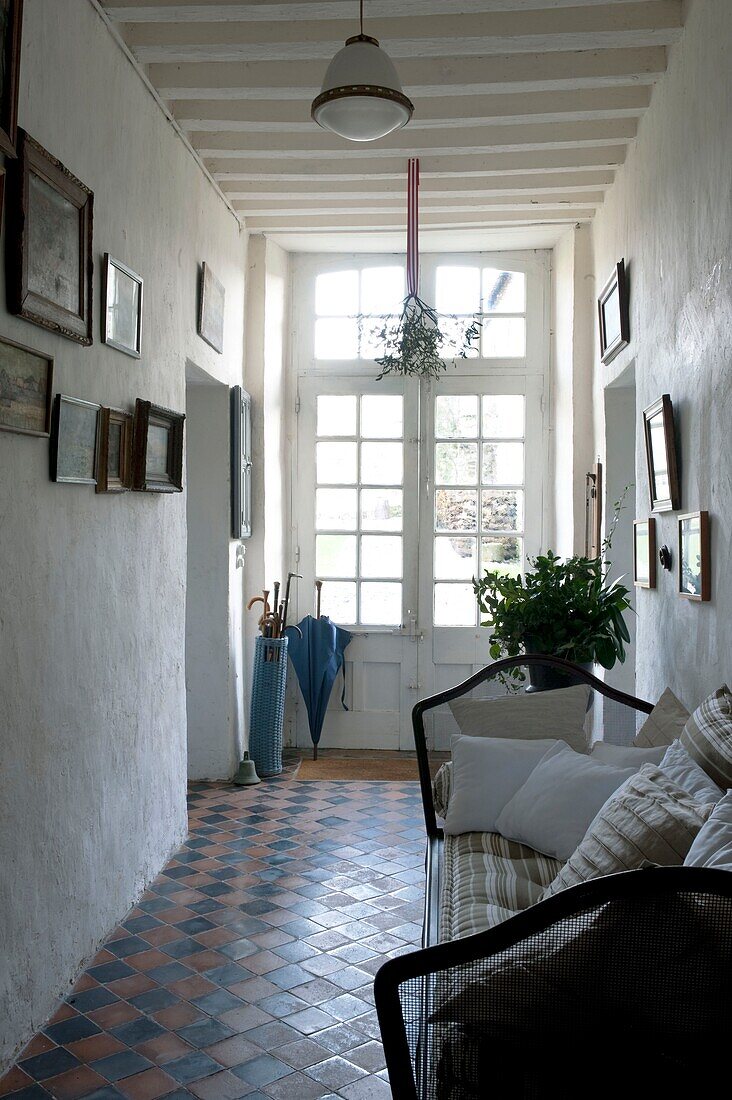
point(92, 704)
point(670, 215)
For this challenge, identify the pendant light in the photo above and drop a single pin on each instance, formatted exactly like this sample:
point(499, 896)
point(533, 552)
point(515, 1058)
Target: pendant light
point(361, 98)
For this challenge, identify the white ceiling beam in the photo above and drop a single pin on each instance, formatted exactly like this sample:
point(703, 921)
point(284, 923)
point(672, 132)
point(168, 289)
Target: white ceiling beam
point(306, 214)
point(435, 220)
point(193, 11)
point(465, 161)
point(315, 193)
point(319, 145)
point(594, 27)
point(450, 76)
point(293, 117)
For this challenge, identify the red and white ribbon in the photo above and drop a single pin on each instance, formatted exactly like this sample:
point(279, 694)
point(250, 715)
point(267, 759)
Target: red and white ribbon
point(412, 225)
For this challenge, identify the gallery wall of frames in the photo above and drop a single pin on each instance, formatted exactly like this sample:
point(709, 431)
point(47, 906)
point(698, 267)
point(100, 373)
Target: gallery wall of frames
point(690, 558)
point(50, 253)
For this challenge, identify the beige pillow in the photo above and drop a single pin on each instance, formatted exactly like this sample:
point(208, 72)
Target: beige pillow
point(545, 715)
point(664, 724)
point(707, 736)
point(650, 819)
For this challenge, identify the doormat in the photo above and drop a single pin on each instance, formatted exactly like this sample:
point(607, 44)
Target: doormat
point(391, 770)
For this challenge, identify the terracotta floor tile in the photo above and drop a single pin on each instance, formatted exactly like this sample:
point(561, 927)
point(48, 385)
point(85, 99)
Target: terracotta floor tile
point(85, 982)
point(148, 960)
point(39, 1045)
point(216, 937)
point(95, 1046)
point(147, 1085)
point(161, 934)
point(132, 986)
point(221, 1086)
point(206, 960)
point(164, 1048)
point(234, 1051)
point(14, 1080)
point(75, 1082)
point(111, 1015)
point(177, 1016)
point(192, 987)
point(63, 1012)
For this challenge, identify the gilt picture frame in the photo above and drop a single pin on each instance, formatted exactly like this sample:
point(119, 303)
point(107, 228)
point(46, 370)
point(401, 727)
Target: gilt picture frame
point(694, 556)
point(49, 216)
point(660, 442)
point(157, 449)
point(644, 553)
point(121, 307)
point(613, 308)
point(11, 33)
point(211, 305)
point(114, 451)
point(26, 389)
point(74, 429)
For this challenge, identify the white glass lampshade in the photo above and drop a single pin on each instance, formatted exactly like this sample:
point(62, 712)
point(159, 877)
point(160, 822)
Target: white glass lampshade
point(361, 98)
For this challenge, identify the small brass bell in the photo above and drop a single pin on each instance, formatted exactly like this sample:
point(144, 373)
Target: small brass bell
point(247, 773)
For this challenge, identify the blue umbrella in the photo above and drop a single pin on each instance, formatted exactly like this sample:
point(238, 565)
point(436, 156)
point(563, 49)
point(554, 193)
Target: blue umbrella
point(317, 655)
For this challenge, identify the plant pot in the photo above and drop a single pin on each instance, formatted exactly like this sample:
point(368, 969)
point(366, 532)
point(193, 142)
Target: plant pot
point(548, 678)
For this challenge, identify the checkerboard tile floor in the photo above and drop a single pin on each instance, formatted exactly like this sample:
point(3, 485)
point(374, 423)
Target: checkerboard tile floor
point(247, 967)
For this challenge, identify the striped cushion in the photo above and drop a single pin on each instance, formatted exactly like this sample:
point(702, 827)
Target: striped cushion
point(707, 736)
point(486, 879)
point(664, 724)
point(649, 819)
point(441, 787)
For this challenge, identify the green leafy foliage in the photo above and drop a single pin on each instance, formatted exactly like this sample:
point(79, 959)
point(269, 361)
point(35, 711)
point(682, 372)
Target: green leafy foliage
point(567, 608)
point(415, 344)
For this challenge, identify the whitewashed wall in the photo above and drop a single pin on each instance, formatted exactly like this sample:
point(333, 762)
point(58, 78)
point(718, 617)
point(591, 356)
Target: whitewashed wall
point(92, 695)
point(670, 215)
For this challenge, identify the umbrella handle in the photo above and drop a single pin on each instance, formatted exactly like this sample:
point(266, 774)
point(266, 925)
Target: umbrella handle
point(318, 591)
point(293, 627)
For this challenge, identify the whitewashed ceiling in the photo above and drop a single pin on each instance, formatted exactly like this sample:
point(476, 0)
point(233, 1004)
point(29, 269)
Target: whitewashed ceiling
point(523, 108)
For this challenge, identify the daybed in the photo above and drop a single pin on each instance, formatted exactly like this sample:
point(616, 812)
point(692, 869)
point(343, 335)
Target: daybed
point(617, 985)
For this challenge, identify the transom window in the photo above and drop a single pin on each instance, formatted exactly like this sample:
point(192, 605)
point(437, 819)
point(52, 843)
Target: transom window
point(479, 497)
point(373, 294)
point(359, 507)
point(499, 297)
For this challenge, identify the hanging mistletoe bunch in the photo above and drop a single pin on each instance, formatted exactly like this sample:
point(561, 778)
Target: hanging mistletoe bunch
point(415, 345)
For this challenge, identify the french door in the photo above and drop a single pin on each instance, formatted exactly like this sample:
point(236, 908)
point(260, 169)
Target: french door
point(406, 491)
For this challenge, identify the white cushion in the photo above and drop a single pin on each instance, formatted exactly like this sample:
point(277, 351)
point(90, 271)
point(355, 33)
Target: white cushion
point(486, 773)
point(650, 819)
point(677, 764)
point(541, 715)
point(625, 756)
point(712, 845)
point(553, 809)
point(664, 724)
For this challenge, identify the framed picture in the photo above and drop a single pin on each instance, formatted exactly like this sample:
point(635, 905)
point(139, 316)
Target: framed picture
point(157, 449)
point(121, 307)
point(49, 257)
point(614, 314)
point(694, 556)
point(11, 29)
point(74, 440)
point(114, 451)
point(211, 309)
point(241, 463)
point(26, 386)
point(663, 478)
point(644, 553)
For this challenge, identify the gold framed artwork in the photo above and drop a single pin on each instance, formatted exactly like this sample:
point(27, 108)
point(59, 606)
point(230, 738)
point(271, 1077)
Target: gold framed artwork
point(74, 441)
point(613, 309)
point(660, 440)
point(26, 387)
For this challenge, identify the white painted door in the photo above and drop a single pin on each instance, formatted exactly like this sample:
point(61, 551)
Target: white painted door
point(357, 486)
point(403, 491)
